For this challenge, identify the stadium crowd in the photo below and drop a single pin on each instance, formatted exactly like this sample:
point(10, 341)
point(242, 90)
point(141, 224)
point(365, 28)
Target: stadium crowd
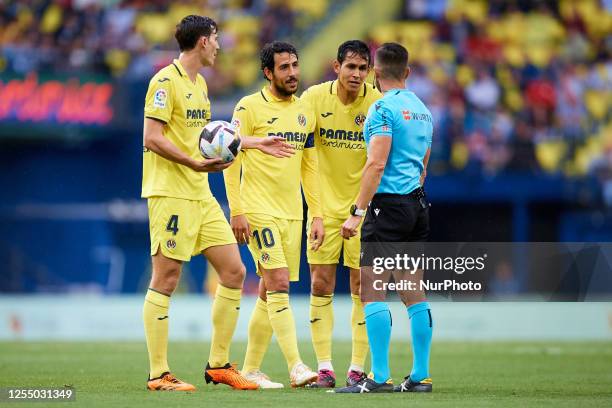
point(520, 85)
point(133, 39)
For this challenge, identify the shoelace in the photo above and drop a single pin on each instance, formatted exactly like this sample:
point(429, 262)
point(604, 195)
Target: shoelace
point(171, 378)
point(355, 376)
point(326, 373)
point(262, 375)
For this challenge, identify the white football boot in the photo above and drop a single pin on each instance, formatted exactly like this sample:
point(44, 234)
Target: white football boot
point(262, 380)
point(301, 375)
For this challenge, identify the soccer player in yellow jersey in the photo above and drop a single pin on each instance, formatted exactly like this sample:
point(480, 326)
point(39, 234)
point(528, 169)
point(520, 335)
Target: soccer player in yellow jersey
point(340, 108)
point(266, 207)
point(184, 217)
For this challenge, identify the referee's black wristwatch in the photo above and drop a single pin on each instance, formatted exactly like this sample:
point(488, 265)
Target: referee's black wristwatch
point(357, 211)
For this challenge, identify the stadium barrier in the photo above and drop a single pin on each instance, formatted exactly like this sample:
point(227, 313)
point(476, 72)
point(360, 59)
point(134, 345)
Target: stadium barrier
point(102, 318)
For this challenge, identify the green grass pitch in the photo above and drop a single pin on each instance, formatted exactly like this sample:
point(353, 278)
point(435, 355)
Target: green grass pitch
point(512, 374)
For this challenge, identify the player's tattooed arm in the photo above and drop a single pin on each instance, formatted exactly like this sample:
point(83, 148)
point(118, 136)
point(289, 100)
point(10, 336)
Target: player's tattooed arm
point(155, 141)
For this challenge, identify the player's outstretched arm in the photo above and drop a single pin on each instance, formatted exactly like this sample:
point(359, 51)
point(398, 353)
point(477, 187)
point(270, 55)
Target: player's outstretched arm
point(273, 145)
point(155, 141)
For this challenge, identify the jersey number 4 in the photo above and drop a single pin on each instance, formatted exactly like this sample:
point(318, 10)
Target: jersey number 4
point(172, 224)
point(266, 237)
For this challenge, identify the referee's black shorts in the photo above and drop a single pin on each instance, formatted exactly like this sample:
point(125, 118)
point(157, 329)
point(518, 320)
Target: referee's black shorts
point(393, 218)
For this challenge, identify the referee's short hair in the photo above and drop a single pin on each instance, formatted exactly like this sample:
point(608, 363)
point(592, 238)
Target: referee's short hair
point(392, 60)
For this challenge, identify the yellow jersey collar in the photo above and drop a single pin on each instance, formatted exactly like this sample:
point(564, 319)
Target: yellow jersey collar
point(179, 68)
point(269, 97)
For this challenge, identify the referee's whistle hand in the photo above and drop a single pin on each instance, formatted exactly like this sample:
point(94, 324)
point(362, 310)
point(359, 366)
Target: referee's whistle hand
point(349, 228)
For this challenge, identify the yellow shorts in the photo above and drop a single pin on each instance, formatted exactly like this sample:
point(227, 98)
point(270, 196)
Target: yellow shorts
point(183, 228)
point(333, 243)
point(276, 243)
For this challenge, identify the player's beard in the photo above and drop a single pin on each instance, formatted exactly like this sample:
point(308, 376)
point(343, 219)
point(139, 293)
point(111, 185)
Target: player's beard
point(283, 88)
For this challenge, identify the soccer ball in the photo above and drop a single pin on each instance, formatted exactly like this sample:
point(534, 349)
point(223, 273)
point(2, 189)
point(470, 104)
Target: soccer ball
point(219, 139)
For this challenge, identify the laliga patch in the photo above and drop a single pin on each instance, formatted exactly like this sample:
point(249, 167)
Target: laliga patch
point(171, 244)
point(236, 123)
point(159, 100)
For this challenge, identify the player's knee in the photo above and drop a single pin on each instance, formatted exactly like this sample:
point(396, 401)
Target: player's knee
point(169, 282)
point(239, 272)
point(321, 285)
point(410, 299)
point(165, 279)
point(232, 276)
point(280, 285)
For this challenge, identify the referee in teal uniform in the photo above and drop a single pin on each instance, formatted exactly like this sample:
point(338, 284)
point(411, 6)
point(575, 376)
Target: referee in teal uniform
point(398, 133)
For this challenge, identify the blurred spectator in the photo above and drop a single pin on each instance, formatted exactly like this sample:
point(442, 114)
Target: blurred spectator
point(503, 282)
point(483, 93)
point(277, 23)
point(523, 149)
point(601, 168)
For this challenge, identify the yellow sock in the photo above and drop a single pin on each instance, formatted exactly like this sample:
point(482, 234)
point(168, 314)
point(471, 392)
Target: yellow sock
point(225, 310)
point(155, 317)
point(360, 336)
point(260, 334)
point(283, 325)
point(322, 325)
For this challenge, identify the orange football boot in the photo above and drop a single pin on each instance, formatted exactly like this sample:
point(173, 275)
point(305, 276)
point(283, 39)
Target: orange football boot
point(168, 382)
point(230, 376)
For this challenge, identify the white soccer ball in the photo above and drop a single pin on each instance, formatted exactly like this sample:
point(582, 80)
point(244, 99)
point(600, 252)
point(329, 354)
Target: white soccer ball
point(220, 139)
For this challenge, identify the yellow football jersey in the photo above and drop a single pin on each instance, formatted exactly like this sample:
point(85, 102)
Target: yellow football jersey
point(271, 185)
point(185, 109)
point(340, 145)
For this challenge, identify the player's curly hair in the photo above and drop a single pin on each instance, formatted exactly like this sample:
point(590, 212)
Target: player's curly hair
point(356, 47)
point(191, 28)
point(277, 47)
